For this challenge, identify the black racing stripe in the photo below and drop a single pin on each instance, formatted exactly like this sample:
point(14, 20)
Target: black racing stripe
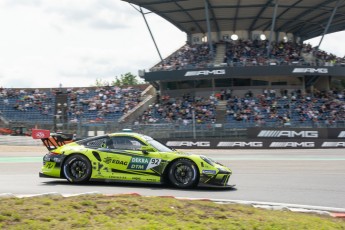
point(135, 172)
point(156, 172)
point(122, 171)
point(210, 179)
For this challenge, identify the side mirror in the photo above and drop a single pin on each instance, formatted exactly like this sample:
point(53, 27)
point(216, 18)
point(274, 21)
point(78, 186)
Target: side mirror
point(146, 149)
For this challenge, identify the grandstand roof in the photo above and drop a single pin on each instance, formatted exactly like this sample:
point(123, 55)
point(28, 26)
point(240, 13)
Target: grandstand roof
point(303, 18)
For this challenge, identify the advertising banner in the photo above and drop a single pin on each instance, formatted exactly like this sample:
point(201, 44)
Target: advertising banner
point(268, 138)
point(300, 133)
point(253, 143)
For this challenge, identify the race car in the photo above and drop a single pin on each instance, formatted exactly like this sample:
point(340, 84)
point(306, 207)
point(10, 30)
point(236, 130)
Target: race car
point(127, 157)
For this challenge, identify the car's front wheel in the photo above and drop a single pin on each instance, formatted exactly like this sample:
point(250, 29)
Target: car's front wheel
point(77, 169)
point(183, 173)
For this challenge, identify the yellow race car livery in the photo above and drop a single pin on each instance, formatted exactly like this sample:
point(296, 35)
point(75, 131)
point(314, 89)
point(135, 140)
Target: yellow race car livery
point(131, 157)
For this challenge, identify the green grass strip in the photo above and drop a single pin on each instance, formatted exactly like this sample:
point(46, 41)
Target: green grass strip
point(20, 159)
point(136, 212)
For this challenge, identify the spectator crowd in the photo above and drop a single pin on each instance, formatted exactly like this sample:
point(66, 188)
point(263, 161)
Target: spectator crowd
point(319, 109)
point(102, 103)
point(249, 53)
point(109, 103)
point(91, 104)
point(27, 100)
point(271, 108)
point(180, 111)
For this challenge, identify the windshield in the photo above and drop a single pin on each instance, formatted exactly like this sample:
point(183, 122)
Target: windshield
point(159, 146)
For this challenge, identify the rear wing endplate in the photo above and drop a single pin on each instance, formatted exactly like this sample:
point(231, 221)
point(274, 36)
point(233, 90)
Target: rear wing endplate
point(52, 140)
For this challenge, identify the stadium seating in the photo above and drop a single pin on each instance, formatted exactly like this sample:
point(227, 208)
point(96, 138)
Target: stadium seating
point(248, 53)
point(323, 109)
point(180, 111)
point(20, 105)
point(106, 104)
point(320, 110)
point(103, 104)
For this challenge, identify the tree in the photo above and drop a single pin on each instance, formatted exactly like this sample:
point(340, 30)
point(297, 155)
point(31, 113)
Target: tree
point(100, 83)
point(125, 80)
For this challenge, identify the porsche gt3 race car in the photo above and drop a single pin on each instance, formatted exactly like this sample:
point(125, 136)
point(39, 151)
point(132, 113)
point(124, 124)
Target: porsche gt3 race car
point(127, 157)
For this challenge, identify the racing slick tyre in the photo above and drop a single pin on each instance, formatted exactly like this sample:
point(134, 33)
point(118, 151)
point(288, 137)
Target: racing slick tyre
point(183, 173)
point(77, 169)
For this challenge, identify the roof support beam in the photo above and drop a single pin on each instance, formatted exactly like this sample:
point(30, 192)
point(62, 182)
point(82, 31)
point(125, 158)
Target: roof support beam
point(236, 16)
point(190, 16)
point(153, 38)
point(329, 23)
point(285, 11)
point(304, 14)
point(259, 14)
point(214, 17)
point(272, 27)
point(209, 37)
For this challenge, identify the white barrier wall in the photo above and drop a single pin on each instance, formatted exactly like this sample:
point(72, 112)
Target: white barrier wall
point(19, 141)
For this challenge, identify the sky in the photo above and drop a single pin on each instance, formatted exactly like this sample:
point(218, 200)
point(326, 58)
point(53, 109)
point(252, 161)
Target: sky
point(75, 42)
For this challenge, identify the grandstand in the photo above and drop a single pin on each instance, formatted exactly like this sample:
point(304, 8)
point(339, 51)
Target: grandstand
point(254, 44)
point(245, 64)
point(249, 48)
point(67, 109)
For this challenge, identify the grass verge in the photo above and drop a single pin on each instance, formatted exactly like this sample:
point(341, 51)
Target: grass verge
point(137, 212)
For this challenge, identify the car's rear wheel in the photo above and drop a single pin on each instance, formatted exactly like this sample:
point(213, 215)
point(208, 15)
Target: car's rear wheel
point(77, 169)
point(183, 173)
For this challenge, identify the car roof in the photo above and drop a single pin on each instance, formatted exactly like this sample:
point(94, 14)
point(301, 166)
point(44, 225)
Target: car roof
point(131, 134)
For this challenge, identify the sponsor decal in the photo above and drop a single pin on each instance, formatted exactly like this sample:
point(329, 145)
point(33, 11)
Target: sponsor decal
point(212, 172)
point(118, 162)
point(239, 144)
point(341, 134)
point(288, 133)
point(40, 133)
point(205, 72)
point(189, 143)
point(49, 165)
point(117, 177)
point(292, 144)
point(143, 163)
point(109, 160)
point(310, 70)
point(329, 144)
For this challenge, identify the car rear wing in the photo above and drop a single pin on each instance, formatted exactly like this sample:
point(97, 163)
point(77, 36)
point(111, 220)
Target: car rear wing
point(52, 140)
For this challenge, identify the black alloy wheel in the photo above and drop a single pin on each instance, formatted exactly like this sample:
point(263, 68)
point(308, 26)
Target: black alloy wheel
point(183, 173)
point(77, 169)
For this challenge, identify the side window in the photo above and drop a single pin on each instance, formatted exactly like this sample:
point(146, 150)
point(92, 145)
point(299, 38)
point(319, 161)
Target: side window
point(126, 143)
point(97, 143)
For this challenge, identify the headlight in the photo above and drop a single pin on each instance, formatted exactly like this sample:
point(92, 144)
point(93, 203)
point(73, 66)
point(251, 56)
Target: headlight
point(207, 160)
point(209, 172)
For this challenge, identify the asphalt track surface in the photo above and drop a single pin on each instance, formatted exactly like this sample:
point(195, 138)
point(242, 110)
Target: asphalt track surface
point(313, 177)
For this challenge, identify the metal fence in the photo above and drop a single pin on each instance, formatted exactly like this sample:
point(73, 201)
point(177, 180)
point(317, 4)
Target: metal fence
point(175, 130)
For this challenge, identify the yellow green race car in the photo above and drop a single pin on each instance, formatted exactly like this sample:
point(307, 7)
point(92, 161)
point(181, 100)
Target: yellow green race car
point(128, 157)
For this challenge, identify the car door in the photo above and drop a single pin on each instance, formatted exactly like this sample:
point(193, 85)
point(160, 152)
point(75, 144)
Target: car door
point(127, 162)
